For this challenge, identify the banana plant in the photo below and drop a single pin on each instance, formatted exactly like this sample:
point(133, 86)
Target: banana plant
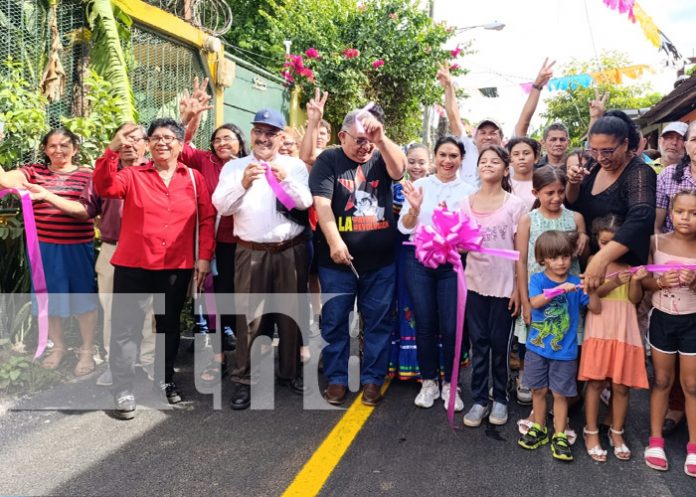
point(109, 27)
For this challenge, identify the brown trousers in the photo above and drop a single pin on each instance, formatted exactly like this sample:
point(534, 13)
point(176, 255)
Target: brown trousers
point(259, 271)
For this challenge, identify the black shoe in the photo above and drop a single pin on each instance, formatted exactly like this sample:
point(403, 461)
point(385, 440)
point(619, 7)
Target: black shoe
point(296, 385)
point(241, 398)
point(125, 405)
point(169, 390)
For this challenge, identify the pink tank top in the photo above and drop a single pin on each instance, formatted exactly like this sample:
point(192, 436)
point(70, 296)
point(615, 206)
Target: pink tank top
point(677, 300)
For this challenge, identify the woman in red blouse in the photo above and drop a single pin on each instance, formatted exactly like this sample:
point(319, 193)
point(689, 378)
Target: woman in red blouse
point(66, 237)
point(163, 200)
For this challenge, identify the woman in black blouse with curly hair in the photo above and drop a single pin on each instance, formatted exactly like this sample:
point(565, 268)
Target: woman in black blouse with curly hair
point(615, 182)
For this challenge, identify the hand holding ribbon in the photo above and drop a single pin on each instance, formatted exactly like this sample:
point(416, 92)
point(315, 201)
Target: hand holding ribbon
point(277, 188)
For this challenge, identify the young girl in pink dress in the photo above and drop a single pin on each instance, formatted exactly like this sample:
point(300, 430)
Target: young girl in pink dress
point(612, 348)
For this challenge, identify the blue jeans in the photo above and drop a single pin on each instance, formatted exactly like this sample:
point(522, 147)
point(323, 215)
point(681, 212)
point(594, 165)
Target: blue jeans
point(434, 298)
point(375, 293)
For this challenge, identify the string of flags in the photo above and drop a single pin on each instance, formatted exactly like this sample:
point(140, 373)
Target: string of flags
point(585, 80)
point(652, 33)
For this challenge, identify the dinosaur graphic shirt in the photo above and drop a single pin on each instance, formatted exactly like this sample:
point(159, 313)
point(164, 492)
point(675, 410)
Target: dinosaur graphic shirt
point(361, 200)
point(553, 333)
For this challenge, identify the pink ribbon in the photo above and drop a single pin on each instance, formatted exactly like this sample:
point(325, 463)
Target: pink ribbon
point(277, 188)
point(656, 268)
point(38, 277)
point(550, 293)
point(359, 125)
point(451, 233)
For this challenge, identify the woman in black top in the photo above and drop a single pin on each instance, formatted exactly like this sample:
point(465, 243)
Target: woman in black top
point(616, 182)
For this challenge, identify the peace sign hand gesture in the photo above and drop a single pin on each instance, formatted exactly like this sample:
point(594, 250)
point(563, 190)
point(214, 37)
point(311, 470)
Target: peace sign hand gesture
point(598, 105)
point(315, 106)
point(545, 73)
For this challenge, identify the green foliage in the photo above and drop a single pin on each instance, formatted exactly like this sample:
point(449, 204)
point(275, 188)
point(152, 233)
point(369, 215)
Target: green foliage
point(104, 117)
point(109, 28)
point(571, 106)
point(19, 374)
point(397, 32)
point(22, 109)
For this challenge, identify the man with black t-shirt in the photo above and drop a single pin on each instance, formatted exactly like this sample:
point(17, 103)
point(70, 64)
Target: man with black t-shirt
point(352, 189)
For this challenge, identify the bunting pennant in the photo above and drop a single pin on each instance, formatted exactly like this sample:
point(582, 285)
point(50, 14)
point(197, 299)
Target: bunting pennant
point(570, 82)
point(650, 30)
point(490, 92)
point(609, 76)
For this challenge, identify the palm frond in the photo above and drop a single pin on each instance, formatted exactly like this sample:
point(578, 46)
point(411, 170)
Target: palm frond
point(107, 56)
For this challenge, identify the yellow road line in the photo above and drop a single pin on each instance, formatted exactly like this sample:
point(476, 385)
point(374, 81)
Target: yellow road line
point(311, 478)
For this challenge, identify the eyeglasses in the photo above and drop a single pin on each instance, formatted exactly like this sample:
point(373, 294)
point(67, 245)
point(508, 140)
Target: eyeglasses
point(604, 152)
point(360, 142)
point(225, 139)
point(134, 139)
point(267, 134)
point(167, 139)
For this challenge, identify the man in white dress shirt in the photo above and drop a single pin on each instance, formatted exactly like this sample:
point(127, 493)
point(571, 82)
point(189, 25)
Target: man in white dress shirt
point(271, 251)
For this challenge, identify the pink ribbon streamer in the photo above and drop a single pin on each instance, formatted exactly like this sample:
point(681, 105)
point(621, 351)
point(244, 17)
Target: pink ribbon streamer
point(277, 188)
point(550, 293)
point(656, 268)
point(451, 233)
point(38, 277)
point(359, 125)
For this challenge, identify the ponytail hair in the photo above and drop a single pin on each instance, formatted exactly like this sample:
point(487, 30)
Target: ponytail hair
point(505, 157)
point(617, 124)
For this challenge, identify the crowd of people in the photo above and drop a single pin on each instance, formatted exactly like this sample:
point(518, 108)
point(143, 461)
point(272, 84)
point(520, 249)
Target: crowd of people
point(604, 242)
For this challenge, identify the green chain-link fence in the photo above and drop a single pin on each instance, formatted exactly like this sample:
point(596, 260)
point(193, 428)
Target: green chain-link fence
point(163, 70)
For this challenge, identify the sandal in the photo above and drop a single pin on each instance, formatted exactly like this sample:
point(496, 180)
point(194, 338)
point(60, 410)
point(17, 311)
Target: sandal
point(690, 463)
point(85, 364)
point(597, 453)
point(213, 372)
point(655, 456)
point(621, 452)
point(54, 358)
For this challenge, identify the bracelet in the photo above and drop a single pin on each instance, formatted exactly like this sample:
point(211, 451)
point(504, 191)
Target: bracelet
point(537, 87)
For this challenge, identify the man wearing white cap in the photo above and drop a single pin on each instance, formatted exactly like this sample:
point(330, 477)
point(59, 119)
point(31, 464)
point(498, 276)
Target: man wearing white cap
point(487, 132)
point(671, 145)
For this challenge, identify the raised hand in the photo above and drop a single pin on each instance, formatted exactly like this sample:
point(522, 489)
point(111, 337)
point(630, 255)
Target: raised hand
point(122, 136)
point(374, 130)
point(545, 73)
point(443, 75)
point(598, 104)
point(315, 106)
point(414, 196)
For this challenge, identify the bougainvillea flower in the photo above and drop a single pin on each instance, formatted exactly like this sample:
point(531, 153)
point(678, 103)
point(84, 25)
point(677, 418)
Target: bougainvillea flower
point(378, 63)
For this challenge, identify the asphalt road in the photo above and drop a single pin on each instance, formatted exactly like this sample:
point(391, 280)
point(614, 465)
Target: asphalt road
point(401, 450)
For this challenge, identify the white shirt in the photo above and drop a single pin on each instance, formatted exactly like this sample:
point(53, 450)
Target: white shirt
point(256, 218)
point(435, 192)
point(469, 169)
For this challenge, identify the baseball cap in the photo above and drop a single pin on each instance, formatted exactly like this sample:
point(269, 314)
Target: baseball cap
point(270, 117)
point(677, 127)
point(490, 121)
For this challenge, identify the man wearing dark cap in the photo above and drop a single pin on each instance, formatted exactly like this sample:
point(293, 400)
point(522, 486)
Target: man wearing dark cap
point(271, 253)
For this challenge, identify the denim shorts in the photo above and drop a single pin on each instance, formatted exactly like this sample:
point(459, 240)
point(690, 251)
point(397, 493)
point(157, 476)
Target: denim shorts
point(671, 334)
point(542, 372)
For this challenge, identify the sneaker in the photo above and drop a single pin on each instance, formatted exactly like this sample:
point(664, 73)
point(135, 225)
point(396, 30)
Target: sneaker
point(524, 394)
point(499, 414)
point(535, 437)
point(458, 403)
point(169, 390)
point(429, 392)
point(125, 405)
point(475, 416)
point(105, 379)
point(560, 447)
